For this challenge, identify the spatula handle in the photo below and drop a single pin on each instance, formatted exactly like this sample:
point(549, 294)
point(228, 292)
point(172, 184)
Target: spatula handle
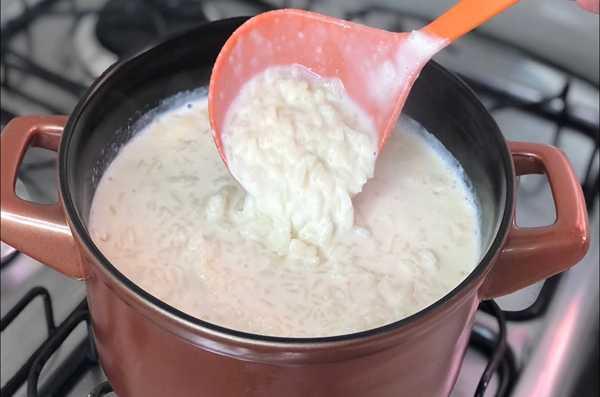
point(465, 16)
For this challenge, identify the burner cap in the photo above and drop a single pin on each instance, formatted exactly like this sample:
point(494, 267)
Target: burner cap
point(125, 27)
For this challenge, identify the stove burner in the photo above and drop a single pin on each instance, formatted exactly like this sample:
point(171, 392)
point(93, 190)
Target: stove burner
point(125, 27)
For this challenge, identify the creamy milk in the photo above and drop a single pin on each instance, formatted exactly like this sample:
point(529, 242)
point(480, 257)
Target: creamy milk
point(171, 218)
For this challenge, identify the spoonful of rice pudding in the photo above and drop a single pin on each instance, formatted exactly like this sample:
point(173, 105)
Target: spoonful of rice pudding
point(301, 104)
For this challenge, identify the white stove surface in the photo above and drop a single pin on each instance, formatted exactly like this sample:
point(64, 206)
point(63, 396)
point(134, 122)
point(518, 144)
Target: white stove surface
point(549, 350)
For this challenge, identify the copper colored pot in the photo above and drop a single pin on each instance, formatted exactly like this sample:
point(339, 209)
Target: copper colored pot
point(148, 348)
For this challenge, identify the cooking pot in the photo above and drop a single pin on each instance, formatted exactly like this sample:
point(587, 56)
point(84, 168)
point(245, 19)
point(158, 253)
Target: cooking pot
point(148, 348)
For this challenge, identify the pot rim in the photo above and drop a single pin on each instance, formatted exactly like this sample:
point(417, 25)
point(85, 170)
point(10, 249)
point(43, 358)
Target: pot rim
point(198, 325)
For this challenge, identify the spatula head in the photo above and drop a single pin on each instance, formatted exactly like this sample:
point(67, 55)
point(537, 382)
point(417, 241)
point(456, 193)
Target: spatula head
point(363, 58)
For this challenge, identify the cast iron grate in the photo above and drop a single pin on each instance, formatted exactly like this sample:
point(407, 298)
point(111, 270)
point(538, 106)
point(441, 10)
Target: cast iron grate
point(64, 377)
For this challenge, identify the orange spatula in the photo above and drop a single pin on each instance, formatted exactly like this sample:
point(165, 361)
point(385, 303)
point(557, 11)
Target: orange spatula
point(377, 68)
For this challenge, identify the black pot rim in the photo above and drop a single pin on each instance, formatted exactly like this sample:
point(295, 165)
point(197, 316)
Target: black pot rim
point(200, 325)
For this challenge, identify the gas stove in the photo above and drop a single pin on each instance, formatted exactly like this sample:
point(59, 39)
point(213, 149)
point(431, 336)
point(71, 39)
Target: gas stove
point(536, 342)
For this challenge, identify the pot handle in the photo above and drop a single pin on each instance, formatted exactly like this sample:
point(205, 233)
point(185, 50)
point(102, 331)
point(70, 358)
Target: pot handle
point(38, 230)
point(532, 254)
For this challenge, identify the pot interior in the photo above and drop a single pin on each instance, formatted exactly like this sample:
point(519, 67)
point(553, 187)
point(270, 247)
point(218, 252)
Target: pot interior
point(103, 121)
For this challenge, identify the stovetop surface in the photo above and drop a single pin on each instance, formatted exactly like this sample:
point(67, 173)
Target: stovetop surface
point(531, 101)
